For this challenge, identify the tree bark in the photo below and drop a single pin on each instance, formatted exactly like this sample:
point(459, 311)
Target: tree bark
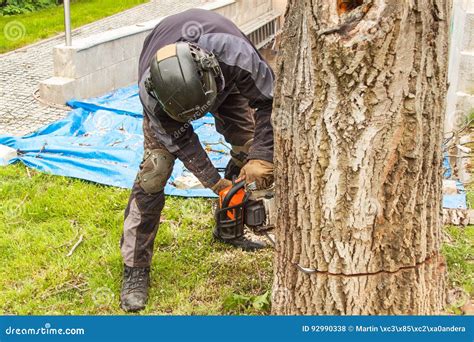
point(359, 109)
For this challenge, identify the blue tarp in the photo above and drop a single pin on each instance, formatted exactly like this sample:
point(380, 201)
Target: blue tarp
point(101, 140)
point(448, 171)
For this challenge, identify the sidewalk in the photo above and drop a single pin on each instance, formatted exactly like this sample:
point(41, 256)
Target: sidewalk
point(22, 70)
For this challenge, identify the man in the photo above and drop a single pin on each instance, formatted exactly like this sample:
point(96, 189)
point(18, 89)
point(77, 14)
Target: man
point(216, 69)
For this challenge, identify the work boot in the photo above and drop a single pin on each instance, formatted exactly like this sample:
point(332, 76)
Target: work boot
point(136, 281)
point(241, 242)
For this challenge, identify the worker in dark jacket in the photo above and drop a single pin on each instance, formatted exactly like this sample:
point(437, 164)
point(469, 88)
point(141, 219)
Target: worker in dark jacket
point(193, 63)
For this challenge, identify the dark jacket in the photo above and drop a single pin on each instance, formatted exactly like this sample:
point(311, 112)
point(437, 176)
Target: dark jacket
point(242, 67)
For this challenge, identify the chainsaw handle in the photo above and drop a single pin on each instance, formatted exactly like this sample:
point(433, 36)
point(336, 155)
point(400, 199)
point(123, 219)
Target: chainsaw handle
point(232, 192)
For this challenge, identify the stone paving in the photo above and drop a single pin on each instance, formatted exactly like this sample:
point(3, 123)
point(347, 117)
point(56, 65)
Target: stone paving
point(22, 70)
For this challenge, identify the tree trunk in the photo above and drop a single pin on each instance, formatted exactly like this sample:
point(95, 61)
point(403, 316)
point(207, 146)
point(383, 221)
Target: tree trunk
point(359, 109)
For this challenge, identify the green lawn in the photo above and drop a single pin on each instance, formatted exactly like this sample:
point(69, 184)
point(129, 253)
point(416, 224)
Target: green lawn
point(42, 217)
point(20, 30)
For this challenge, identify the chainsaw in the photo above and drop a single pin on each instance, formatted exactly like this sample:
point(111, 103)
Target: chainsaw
point(243, 206)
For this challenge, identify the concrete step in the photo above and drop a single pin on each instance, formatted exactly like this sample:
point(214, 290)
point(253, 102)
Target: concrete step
point(6, 155)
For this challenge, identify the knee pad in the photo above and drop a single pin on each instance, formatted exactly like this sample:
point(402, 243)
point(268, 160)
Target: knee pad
point(155, 170)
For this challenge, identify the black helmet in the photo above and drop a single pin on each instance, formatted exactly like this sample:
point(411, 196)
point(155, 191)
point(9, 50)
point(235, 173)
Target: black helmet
point(185, 79)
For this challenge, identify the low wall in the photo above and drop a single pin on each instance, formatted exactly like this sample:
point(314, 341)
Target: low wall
point(109, 60)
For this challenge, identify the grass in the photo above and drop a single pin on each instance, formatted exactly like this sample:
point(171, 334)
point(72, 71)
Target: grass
point(20, 30)
point(459, 253)
point(43, 216)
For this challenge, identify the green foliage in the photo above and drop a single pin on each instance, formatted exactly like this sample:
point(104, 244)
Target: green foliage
point(13, 7)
